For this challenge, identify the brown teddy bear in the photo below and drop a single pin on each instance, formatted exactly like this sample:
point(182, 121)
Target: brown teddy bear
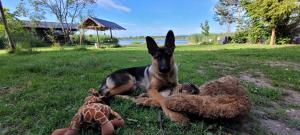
point(221, 98)
point(93, 112)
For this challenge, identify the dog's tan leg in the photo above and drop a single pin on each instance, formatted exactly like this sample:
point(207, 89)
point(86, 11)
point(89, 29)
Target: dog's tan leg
point(122, 89)
point(174, 116)
point(146, 101)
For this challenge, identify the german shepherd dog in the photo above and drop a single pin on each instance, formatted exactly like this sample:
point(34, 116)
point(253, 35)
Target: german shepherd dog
point(161, 74)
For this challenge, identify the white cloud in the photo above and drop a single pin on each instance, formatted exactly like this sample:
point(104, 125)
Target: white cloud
point(112, 4)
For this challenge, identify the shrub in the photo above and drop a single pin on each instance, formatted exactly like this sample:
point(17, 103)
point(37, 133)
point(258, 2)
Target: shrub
point(56, 45)
point(91, 39)
point(206, 43)
point(24, 48)
point(201, 39)
point(80, 48)
point(193, 39)
point(2, 42)
point(283, 40)
point(257, 32)
point(240, 37)
point(136, 42)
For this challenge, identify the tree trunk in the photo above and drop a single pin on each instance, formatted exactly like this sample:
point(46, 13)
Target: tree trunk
point(273, 36)
point(238, 19)
point(228, 29)
point(10, 41)
point(81, 36)
point(67, 36)
point(98, 40)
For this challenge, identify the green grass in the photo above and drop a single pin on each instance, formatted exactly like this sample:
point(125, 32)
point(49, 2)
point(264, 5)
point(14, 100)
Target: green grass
point(48, 87)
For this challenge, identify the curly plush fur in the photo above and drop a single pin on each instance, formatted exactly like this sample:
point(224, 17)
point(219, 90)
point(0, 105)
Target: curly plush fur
point(222, 98)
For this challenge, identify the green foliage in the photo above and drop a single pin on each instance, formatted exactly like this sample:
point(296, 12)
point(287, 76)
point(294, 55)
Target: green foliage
point(194, 39)
point(270, 11)
point(240, 37)
point(283, 41)
point(225, 12)
point(56, 45)
point(257, 31)
point(23, 37)
point(92, 39)
point(205, 28)
point(136, 42)
point(2, 42)
point(23, 48)
point(80, 48)
point(201, 39)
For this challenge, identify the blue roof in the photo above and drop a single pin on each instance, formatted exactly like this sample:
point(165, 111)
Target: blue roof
point(106, 25)
point(48, 25)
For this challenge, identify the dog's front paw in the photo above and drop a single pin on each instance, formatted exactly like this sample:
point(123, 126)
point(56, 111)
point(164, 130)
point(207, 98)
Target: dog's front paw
point(143, 101)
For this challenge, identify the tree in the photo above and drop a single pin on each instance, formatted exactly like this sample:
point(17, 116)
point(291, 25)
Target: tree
point(10, 41)
point(65, 11)
point(271, 12)
point(205, 28)
point(227, 12)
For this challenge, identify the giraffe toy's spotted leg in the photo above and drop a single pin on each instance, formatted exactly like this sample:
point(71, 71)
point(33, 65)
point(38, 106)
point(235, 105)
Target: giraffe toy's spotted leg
point(107, 127)
point(118, 121)
point(75, 123)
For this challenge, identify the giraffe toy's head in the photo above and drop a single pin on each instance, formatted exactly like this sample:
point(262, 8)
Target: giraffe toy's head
point(95, 98)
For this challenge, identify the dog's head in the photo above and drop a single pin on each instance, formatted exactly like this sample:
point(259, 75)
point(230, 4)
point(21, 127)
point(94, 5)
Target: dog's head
point(162, 57)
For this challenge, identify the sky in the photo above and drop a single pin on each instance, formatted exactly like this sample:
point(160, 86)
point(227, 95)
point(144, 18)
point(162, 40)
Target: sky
point(149, 17)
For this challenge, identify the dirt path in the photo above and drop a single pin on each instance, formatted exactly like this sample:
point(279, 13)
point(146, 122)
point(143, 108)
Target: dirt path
point(291, 97)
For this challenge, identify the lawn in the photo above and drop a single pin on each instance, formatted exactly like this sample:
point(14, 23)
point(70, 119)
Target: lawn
point(40, 92)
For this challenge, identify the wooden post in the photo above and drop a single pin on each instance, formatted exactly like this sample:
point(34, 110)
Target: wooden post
point(81, 36)
point(110, 33)
point(98, 41)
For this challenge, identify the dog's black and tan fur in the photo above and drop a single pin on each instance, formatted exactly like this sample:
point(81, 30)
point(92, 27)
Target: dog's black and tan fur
point(161, 74)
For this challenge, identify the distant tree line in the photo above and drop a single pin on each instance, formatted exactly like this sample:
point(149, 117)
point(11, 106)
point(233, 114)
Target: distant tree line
point(156, 37)
point(259, 20)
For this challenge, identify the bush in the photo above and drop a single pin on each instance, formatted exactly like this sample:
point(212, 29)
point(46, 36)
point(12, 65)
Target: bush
point(56, 45)
point(257, 32)
point(80, 48)
point(136, 42)
point(201, 39)
point(24, 48)
point(193, 39)
point(283, 40)
point(2, 42)
point(27, 37)
point(92, 39)
point(206, 43)
point(240, 37)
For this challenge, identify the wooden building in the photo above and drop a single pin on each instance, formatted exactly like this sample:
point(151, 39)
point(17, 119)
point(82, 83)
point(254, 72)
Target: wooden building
point(43, 29)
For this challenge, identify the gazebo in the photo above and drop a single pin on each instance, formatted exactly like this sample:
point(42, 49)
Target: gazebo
point(97, 24)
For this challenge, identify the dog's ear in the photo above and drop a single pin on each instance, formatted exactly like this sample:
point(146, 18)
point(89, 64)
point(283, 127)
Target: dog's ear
point(152, 46)
point(170, 40)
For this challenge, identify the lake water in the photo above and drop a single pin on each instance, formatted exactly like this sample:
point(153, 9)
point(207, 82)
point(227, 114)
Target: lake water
point(124, 42)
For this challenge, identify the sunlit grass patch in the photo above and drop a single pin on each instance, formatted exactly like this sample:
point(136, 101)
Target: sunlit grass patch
point(50, 85)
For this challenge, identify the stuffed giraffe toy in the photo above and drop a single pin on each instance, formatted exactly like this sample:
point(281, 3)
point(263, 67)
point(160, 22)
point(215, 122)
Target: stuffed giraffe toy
point(93, 112)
